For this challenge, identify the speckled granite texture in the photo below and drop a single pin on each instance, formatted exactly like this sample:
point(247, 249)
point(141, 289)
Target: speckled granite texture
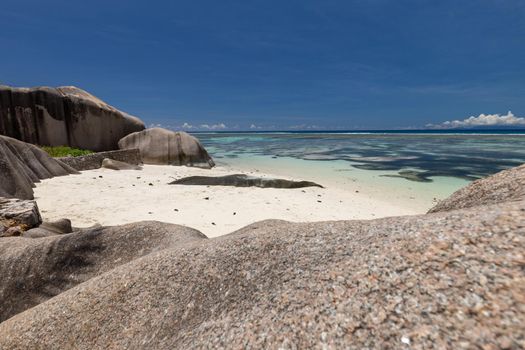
point(35, 270)
point(507, 185)
point(94, 160)
point(446, 280)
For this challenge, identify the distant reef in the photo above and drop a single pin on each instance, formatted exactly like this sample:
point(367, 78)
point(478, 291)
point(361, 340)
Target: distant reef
point(63, 116)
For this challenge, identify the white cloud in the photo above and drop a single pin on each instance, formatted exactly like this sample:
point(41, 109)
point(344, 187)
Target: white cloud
point(213, 127)
point(508, 119)
point(186, 126)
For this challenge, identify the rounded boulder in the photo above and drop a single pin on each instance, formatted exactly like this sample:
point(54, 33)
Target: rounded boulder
point(166, 147)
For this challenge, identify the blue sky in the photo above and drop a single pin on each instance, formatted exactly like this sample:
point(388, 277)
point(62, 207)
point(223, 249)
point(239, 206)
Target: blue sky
point(275, 64)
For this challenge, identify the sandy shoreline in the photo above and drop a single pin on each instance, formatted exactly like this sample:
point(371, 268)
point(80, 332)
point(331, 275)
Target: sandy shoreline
point(111, 197)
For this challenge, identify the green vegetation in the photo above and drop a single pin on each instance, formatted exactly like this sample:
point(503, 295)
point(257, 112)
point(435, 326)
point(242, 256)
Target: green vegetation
point(65, 151)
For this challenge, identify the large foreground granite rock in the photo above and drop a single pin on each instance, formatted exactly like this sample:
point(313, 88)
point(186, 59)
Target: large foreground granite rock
point(507, 185)
point(161, 146)
point(242, 180)
point(35, 270)
point(63, 116)
point(22, 164)
point(446, 280)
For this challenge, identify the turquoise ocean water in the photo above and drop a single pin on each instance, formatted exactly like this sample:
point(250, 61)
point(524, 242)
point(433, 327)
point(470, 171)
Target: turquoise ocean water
point(415, 156)
point(432, 163)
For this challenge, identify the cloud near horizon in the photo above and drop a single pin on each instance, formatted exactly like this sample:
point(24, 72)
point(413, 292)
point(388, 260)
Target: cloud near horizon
point(508, 119)
point(218, 126)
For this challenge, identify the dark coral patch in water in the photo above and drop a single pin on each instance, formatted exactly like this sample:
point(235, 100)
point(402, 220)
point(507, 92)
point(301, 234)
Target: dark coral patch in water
point(463, 156)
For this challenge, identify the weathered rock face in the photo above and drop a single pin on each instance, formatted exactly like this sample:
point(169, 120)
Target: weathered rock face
point(507, 185)
point(63, 116)
point(161, 146)
point(242, 180)
point(35, 270)
point(94, 160)
point(445, 280)
point(17, 212)
point(116, 165)
point(22, 164)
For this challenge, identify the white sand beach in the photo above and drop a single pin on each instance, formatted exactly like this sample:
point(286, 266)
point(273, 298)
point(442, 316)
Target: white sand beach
point(109, 197)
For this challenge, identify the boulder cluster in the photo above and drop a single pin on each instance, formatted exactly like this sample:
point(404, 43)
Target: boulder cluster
point(69, 116)
point(63, 116)
point(448, 279)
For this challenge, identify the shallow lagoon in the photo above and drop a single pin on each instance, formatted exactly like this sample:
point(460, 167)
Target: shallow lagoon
point(428, 167)
point(465, 156)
